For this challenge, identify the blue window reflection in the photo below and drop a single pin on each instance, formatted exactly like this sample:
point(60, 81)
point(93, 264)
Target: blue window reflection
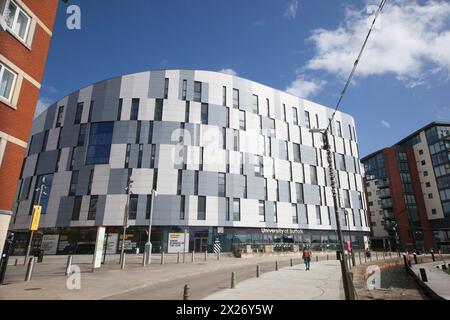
point(100, 139)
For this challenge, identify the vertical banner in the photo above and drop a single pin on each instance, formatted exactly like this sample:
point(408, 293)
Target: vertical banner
point(35, 218)
point(99, 246)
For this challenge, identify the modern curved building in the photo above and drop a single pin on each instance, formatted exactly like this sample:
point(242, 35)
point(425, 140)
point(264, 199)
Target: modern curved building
point(230, 159)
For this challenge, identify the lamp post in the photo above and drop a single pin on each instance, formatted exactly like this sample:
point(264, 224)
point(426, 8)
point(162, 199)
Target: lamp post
point(148, 245)
point(42, 192)
point(326, 147)
point(125, 220)
point(397, 239)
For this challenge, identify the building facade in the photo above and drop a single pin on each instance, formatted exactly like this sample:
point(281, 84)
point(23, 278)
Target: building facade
point(230, 159)
point(25, 33)
point(408, 190)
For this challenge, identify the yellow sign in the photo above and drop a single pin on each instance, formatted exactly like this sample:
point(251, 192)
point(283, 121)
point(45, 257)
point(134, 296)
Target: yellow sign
point(36, 217)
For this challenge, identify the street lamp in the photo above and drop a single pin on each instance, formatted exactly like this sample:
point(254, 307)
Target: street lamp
point(326, 146)
point(125, 222)
point(148, 245)
point(397, 239)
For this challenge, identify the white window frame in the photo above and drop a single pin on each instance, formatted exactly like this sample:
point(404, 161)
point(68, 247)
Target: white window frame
point(3, 67)
point(14, 22)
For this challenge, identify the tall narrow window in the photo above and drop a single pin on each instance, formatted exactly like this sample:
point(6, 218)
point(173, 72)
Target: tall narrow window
point(295, 115)
point(204, 113)
point(119, 110)
point(227, 115)
point(196, 183)
point(201, 212)
point(313, 174)
point(235, 140)
point(138, 132)
point(44, 143)
point(141, 151)
point(227, 209)
point(179, 181)
point(318, 216)
point(92, 212)
point(152, 156)
point(236, 209)
point(307, 120)
point(236, 98)
point(224, 96)
point(224, 138)
point(148, 206)
point(265, 188)
point(197, 91)
point(91, 111)
point(81, 135)
point(59, 118)
point(127, 155)
point(350, 132)
point(73, 183)
point(339, 128)
point(182, 207)
point(294, 214)
point(91, 178)
point(222, 184)
point(242, 120)
point(134, 109)
point(259, 166)
point(255, 103)
point(78, 113)
point(296, 152)
point(299, 193)
point(158, 109)
point(275, 212)
point(166, 88)
point(7, 82)
point(76, 208)
point(245, 187)
point(132, 207)
point(155, 179)
point(268, 108)
point(184, 90)
point(186, 111)
point(284, 113)
point(262, 211)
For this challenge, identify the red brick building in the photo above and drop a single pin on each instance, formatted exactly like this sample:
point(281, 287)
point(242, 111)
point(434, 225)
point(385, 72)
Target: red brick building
point(25, 34)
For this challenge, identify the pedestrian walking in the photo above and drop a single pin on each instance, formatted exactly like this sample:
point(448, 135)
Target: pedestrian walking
point(307, 257)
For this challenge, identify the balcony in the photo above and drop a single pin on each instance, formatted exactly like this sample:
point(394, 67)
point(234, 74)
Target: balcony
point(388, 215)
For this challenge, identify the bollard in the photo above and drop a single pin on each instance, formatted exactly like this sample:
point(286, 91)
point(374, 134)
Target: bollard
point(359, 257)
point(390, 255)
point(415, 258)
point(317, 258)
point(178, 257)
point(29, 269)
point(327, 257)
point(186, 292)
point(218, 255)
point(292, 263)
point(384, 256)
point(376, 255)
point(444, 267)
point(206, 255)
point(257, 270)
point(16, 262)
point(69, 265)
point(122, 263)
point(162, 257)
point(423, 275)
point(192, 259)
point(276, 265)
point(184, 256)
point(233, 280)
point(353, 259)
point(365, 258)
point(405, 262)
point(432, 256)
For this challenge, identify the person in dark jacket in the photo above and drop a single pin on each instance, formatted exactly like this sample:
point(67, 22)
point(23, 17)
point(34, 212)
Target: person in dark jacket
point(307, 257)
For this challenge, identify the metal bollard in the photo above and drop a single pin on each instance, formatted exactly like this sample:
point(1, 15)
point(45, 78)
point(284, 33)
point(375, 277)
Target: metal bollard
point(327, 257)
point(376, 255)
point(184, 256)
point(233, 280)
point(359, 257)
point(353, 259)
point(68, 265)
point(257, 270)
point(193, 258)
point(178, 257)
point(122, 263)
point(218, 255)
point(29, 269)
point(16, 262)
point(162, 257)
point(186, 292)
point(423, 275)
point(276, 265)
point(405, 262)
point(384, 256)
point(292, 263)
point(365, 258)
point(415, 258)
point(390, 255)
point(432, 256)
point(206, 255)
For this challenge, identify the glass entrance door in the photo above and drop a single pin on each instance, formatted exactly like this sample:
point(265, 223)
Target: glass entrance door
point(201, 244)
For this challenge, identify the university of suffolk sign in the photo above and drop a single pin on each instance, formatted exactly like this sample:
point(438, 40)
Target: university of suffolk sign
point(281, 231)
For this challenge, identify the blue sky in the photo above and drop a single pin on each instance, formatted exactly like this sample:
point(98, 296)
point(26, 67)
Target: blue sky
point(306, 47)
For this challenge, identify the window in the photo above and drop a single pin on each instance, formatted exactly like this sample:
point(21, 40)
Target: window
point(201, 212)
point(119, 110)
point(196, 183)
point(100, 138)
point(296, 152)
point(227, 209)
point(59, 117)
point(299, 192)
point(92, 208)
point(347, 199)
point(275, 212)
point(420, 151)
point(339, 128)
point(236, 209)
point(152, 156)
point(255, 103)
point(294, 214)
point(140, 154)
point(268, 107)
point(17, 20)
point(73, 183)
point(313, 174)
point(134, 109)
point(430, 196)
point(236, 98)
point(91, 110)
point(7, 81)
point(179, 181)
point(427, 184)
point(204, 113)
point(78, 113)
point(259, 166)
point(44, 142)
point(132, 208)
point(182, 207)
point(148, 206)
point(350, 132)
point(138, 132)
point(158, 109)
point(284, 113)
point(245, 186)
point(197, 91)
point(295, 115)
point(222, 184)
point(224, 96)
point(307, 120)
point(242, 120)
point(318, 215)
point(81, 135)
point(236, 140)
point(127, 155)
point(433, 211)
point(76, 208)
point(184, 90)
point(425, 173)
point(166, 88)
point(262, 211)
point(91, 177)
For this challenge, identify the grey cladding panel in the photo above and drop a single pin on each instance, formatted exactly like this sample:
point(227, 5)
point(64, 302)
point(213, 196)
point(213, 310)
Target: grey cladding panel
point(47, 162)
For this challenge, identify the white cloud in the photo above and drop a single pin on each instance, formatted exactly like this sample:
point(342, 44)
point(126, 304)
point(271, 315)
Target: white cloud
point(291, 9)
point(304, 88)
point(385, 123)
point(42, 104)
point(229, 71)
point(259, 23)
point(411, 42)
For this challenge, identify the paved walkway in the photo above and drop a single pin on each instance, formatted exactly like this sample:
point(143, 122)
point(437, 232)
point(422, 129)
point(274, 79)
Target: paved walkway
point(321, 282)
point(438, 280)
